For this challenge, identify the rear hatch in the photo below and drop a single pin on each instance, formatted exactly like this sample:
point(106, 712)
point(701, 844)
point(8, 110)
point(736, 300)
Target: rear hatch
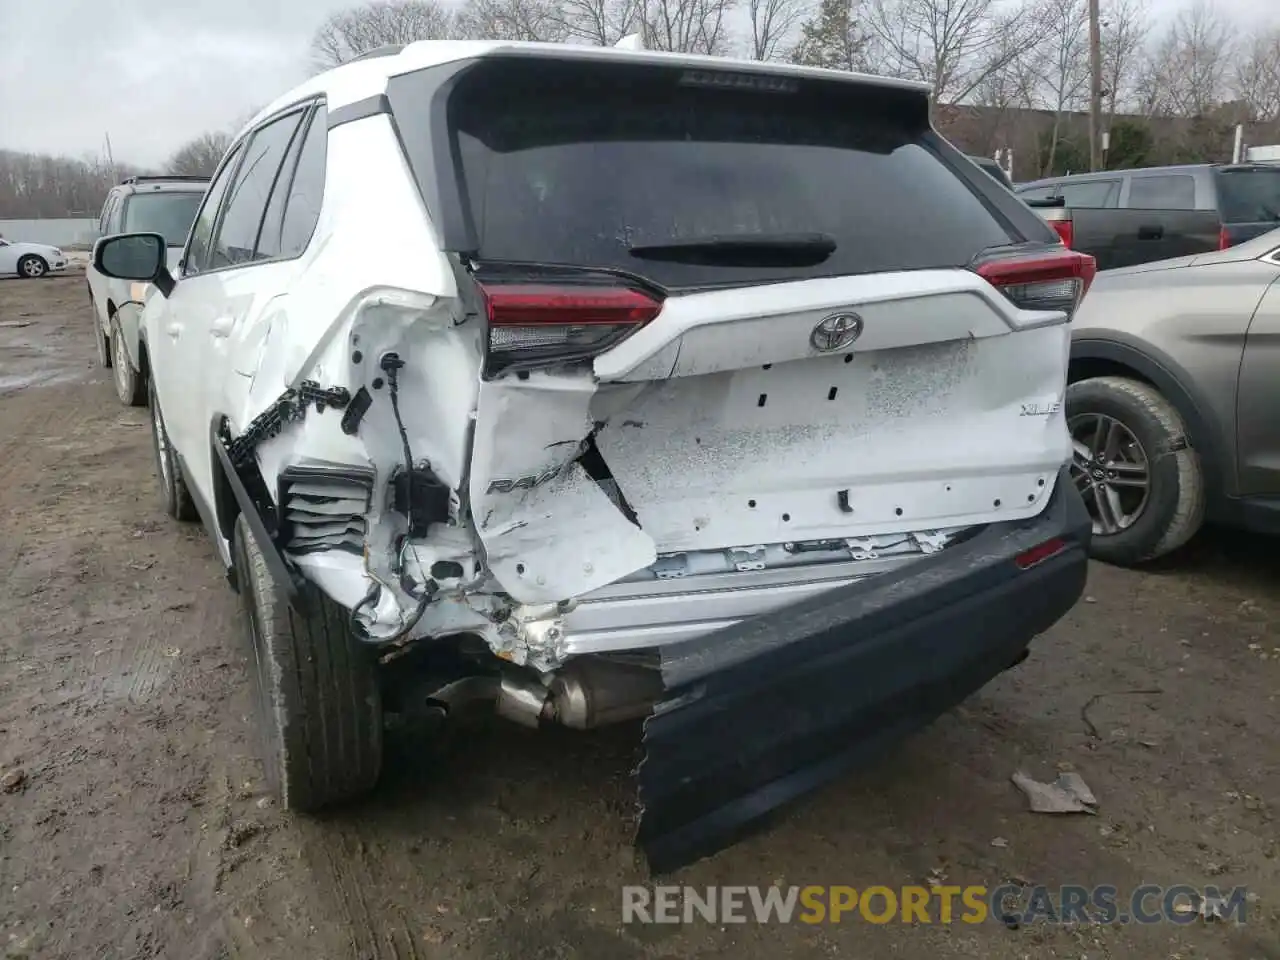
point(1249, 202)
point(738, 315)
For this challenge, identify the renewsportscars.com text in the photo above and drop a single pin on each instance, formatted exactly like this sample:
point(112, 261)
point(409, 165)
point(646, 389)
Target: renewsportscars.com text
point(1145, 904)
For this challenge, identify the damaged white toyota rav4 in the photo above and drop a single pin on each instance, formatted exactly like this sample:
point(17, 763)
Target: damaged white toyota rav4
point(611, 384)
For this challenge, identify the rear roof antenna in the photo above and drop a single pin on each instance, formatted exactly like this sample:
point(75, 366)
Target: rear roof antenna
point(632, 41)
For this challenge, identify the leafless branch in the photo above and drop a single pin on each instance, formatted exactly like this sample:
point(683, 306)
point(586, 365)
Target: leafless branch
point(349, 33)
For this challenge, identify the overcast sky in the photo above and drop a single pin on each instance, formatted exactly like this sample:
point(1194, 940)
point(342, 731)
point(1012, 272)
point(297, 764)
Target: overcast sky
point(155, 73)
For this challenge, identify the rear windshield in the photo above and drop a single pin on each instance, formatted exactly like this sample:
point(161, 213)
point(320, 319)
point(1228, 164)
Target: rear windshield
point(583, 165)
point(168, 214)
point(1249, 196)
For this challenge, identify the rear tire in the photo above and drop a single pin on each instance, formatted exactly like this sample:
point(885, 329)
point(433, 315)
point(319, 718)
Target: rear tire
point(1174, 505)
point(131, 386)
point(173, 488)
point(100, 338)
point(318, 703)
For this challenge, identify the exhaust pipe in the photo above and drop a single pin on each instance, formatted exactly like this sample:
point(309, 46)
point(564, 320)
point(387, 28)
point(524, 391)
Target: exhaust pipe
point(585, 694)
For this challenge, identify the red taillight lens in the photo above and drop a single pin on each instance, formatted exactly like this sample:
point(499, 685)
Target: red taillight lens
point(1224, 238)
point(1063, 227)
point(1052, 279)
point(536, 325)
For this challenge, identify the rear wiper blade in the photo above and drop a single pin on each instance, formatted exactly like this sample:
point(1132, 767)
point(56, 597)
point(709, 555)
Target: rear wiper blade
point(746, 248)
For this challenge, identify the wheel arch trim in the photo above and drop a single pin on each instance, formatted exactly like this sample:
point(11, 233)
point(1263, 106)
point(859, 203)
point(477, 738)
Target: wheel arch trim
point(1176, 385)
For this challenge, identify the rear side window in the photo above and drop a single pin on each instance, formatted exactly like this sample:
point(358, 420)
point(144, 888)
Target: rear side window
point(1090, 193)
point(247, 204)
point(1249, 196)
point(1162, 193)
point(306, 190)
point(583, 165)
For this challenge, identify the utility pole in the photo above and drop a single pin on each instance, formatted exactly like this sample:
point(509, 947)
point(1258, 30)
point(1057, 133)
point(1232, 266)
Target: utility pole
point(1095, 87)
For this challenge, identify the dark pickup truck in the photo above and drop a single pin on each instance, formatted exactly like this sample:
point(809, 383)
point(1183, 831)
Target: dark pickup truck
point(1125, 217)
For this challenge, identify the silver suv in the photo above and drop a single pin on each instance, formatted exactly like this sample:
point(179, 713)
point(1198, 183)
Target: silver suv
point(165, 205)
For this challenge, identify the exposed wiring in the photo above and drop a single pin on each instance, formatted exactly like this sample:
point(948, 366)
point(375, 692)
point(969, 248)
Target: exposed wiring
point(391, 365)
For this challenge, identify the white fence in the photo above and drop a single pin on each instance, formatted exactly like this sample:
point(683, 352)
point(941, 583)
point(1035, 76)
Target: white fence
point(64, 232)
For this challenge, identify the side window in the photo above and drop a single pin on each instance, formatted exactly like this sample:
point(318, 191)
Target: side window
point(115, 222)
point(1039, 193)
point(1162, 193)
point(307, 188)
point(237, 235)
point(268, 245)
point(106, 214)
point(1091, 193)
point(197, 256)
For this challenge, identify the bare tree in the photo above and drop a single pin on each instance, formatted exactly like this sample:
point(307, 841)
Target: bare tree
point(33, 185)
point(1256, 78)
point(1186, 73)
point(953, 45)
point(687, 26)
point(349, 33)
point(200, 156)
point(773, 23)
point(601, 22)
point(511, 20)
point(1062, 60)
point(1124, 35)
point(1002, 94)
point(834, 37)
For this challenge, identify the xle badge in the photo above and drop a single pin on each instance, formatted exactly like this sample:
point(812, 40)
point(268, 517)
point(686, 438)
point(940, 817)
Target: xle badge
point(1041, 409)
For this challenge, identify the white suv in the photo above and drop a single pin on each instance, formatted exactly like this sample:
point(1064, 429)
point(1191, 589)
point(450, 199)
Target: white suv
point(607, 384)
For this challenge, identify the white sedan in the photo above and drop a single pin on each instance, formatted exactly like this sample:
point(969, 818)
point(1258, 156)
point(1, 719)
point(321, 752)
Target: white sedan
point(30, 260)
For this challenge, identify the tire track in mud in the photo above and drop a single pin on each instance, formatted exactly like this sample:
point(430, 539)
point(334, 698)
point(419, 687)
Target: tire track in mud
point(339, 857)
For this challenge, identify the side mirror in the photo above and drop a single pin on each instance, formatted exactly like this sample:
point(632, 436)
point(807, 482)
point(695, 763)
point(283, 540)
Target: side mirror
point(134, 256)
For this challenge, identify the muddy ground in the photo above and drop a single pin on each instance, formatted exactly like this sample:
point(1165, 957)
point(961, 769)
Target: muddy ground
point(133, 821)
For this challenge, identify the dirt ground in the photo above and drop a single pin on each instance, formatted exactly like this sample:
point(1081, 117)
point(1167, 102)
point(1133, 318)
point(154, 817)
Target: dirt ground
point(133, 822)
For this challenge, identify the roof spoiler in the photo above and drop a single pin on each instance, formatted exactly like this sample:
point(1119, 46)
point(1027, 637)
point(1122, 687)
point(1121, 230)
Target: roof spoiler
point(160, 178)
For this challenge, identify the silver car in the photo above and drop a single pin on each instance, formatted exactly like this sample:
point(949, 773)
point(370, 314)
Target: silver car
point(1174, 399)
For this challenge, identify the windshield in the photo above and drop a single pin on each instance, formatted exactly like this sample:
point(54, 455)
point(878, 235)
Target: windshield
point(168, 214)
point(1249, 196)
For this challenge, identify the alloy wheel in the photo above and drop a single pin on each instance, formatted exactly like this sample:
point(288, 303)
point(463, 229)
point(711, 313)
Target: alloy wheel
point(1111, 470)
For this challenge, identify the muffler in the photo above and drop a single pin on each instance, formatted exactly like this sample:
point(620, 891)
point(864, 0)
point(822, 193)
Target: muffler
point(594, 693)
point(585, 694)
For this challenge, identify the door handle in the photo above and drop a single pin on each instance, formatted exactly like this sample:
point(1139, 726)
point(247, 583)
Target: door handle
point(1151, 233)
point(221, 326)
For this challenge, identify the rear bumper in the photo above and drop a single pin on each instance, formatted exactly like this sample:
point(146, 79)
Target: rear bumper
point(769, 709)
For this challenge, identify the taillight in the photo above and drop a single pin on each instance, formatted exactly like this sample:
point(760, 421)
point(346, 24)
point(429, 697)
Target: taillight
point(1224, 238)
point(1060, 220)
point(538, 325)
point(1049, 279)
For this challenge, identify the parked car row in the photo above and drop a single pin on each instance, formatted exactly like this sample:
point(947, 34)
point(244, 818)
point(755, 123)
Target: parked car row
point(605, 384)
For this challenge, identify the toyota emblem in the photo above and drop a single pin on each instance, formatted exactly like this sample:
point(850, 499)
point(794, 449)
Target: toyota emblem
point(836, 332)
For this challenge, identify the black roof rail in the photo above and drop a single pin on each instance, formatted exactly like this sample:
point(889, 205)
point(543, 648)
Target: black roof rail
point(160, 178)
point(390, 50)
